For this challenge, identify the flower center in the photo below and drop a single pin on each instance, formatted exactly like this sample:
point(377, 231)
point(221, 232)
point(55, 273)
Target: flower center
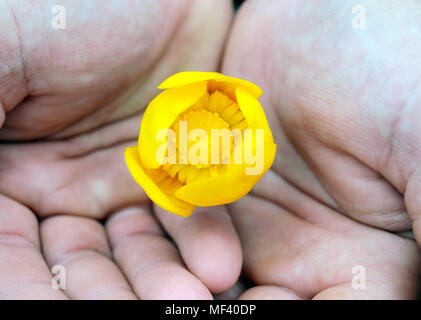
point(202, 119)
point(199, 125)
point(215, 110)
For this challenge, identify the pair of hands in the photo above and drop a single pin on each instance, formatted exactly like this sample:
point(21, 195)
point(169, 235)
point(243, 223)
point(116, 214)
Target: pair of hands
point(343, 105)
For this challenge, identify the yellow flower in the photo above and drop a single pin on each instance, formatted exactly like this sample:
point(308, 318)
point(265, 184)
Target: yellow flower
point(177, 171)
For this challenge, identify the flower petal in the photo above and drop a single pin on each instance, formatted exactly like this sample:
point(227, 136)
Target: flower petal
point(253, 113)
point(221, 189)
point(187, 77)
point(165, 201)
point(161, 114)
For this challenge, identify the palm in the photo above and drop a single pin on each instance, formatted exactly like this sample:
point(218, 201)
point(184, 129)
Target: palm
point(342, 105)
point(88, 103)
point(309, 251)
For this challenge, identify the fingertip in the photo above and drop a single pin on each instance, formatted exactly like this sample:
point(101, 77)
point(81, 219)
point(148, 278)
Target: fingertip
point(268, 293)
point(215, 257)
point(208, 244)
point(184, 286)
point(65, 235)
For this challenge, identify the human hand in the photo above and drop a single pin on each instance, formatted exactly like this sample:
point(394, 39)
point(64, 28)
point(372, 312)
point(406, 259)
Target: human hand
point(259, 229)
point(343, 107)
point(71, 102)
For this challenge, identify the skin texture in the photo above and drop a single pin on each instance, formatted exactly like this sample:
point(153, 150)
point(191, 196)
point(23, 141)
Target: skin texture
point(80, 93)
point(342, 107)
point(342, 104)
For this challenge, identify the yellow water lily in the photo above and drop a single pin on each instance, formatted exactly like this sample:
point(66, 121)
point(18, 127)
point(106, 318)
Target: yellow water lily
point(180, 160)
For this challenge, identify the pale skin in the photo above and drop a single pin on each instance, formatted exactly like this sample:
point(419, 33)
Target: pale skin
point(342, 105)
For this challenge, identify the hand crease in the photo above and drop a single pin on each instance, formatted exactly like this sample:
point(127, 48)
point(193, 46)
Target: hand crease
point(26, 78)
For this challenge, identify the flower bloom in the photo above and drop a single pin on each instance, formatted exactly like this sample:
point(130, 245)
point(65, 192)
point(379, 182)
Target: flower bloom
point(179, 173)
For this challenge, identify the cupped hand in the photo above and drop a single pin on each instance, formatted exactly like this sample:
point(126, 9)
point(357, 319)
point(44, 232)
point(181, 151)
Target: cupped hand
point(344, 107)
point(129, 258)
point(70, 103)
point(340, 182)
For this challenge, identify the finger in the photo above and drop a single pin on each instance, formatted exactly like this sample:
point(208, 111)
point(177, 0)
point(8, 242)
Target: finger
point(80, 246)
point(347, 292)
point(208, 244)
point(312, 256)
point(150, 262)
point(23, 272)
point(232, 293)
point(269, 293)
